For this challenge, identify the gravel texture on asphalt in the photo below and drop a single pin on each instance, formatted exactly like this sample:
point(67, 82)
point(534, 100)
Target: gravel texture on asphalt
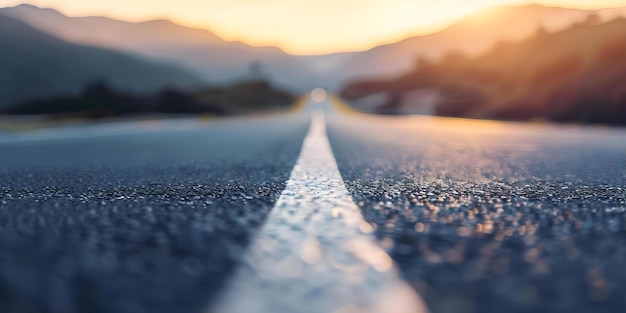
point(152, 222)
point(493, 217)
point(315, 253)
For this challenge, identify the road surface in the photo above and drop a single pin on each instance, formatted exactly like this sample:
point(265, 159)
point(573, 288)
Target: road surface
point(177, 216)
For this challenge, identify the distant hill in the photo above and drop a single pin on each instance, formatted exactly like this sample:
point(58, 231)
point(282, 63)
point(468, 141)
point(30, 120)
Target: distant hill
point(223, 62)
point(472, 35)
point(575, 75)
point(217, 60)
point(36, 64)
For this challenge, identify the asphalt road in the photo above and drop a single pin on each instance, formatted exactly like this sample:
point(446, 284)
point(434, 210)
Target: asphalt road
point(493, 217)
point(479, 216)
point(146, 217)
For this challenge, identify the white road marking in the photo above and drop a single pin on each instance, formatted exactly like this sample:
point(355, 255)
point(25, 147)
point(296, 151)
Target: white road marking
point(315, 253)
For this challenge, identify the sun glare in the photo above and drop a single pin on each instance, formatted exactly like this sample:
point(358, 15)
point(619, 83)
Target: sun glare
point(318, 94)
point(306, 26)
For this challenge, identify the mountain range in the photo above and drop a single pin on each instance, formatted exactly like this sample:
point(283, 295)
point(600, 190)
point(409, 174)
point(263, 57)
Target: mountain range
point(217, 61)
point(37, 64)
point(469, 36)
point(573, 75)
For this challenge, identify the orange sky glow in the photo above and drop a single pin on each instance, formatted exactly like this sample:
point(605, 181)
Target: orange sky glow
point(302, 26)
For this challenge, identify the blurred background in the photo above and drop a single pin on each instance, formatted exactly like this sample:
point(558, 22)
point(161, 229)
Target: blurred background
point(560, 61)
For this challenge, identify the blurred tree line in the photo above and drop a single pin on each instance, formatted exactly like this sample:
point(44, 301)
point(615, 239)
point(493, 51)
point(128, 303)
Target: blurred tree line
point(576, 75)
point(99, 100)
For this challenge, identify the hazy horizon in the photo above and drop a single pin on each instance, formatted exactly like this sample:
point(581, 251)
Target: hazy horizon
point(368, 27)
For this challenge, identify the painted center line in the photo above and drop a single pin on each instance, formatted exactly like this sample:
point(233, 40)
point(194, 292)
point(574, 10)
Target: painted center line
point(315, 253)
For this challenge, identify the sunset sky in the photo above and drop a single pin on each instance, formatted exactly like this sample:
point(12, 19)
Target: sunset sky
point(302, 26)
